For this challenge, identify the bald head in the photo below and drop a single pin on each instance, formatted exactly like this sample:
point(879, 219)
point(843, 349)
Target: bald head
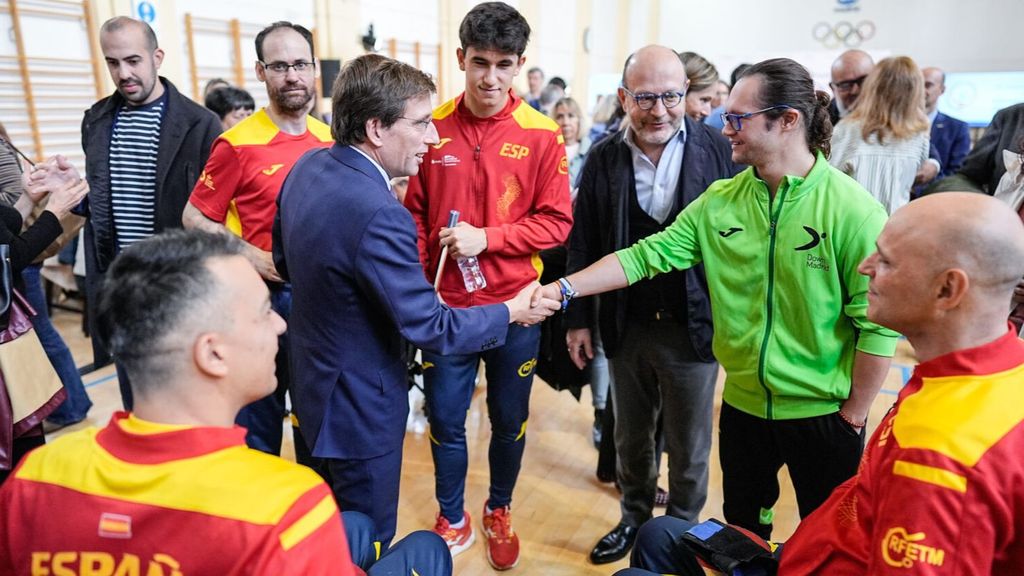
point(944, 271)
point(120, 23)
point(934, 86)
point(653, 58)
point(848, 72)
point(973, 232)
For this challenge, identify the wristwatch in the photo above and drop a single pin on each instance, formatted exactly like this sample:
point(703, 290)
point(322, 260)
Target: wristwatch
point(568, 292)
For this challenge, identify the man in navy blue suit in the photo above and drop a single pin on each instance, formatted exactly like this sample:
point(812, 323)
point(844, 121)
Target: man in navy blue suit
point(951, 138)
point(349, 249)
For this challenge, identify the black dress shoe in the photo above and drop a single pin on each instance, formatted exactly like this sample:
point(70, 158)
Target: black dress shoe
point(614, 546)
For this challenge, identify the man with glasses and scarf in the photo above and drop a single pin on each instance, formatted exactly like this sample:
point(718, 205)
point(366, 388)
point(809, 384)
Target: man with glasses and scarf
point(237, 191)
point(657, 334)
point(780, 243)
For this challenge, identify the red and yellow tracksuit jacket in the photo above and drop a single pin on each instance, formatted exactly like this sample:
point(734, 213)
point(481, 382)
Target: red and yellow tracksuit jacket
point(507, 174)
point(940, 490)
point(144, 499)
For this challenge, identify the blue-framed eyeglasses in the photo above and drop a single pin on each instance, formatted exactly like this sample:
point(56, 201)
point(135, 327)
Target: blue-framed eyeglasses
point(647, 100)
point(735, 121)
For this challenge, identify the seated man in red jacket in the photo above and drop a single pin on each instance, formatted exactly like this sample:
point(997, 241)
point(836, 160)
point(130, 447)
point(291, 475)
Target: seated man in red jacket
point(171, 487)
point(940, 489)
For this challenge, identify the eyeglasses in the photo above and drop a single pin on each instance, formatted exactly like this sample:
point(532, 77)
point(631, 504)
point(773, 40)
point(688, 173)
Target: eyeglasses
point(419, 122)
point(847, 85)
point(282, 67)
point(735, 121)
point(647, 100)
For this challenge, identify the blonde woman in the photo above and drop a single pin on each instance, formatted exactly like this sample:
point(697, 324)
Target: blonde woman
point(885, 139)
point(703, 77)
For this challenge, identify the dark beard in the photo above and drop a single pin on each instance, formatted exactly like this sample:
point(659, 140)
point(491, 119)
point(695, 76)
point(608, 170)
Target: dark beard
point(293, 102)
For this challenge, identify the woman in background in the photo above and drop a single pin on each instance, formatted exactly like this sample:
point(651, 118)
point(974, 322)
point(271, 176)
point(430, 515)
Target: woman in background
point(885, 139)
point(61, 196)
point(701, 93)
point(555, 363)
point(231, 104)
point(76, 406)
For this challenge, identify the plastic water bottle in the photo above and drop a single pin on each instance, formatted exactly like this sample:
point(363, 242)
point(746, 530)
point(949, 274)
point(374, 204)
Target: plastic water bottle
point(472, 276)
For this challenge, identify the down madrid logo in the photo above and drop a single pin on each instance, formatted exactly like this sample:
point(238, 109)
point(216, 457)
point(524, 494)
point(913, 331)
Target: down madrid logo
point(816, 239)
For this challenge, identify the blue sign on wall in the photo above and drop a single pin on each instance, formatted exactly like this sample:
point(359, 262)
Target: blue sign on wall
point(146, 11)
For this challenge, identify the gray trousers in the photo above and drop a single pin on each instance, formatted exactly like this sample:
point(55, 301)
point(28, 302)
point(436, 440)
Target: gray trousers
point(655, 372)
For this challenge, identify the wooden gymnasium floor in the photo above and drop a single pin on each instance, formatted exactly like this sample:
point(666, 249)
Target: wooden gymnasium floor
point(560, 510)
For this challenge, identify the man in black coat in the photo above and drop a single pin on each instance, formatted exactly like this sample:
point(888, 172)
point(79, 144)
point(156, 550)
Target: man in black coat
point(656, 334)
point(145, 146)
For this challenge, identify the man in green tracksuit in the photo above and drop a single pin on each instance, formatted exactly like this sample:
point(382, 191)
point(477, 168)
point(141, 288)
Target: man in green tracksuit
point(780, 243)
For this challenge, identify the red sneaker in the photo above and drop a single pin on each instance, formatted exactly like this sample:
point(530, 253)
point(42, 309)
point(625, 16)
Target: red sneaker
point(502, 541)
point(458, 539)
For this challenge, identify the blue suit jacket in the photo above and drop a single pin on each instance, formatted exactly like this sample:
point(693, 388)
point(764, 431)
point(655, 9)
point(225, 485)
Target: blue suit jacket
point(349, 249)
point(951, 141)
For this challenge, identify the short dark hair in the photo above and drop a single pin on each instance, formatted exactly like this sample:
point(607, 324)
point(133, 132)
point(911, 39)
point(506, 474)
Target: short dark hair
point(737, 72)
point(224, 101)
point(373, 86)
point(495, 26)
point(784, 81)
point(558, 81)
point(302, 30)
point(155, 288)
point(118, 22)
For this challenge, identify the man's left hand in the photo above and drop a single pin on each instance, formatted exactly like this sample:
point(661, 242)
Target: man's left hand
point(927, 173)
point(464, 240)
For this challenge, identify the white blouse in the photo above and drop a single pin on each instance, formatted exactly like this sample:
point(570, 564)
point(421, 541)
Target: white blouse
point(887, 170)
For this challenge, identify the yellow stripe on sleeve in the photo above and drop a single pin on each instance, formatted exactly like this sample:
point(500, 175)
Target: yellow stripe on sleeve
point(306, 525)
point(931, 475)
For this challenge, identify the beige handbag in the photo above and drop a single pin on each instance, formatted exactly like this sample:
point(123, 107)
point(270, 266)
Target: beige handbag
point(31, 389)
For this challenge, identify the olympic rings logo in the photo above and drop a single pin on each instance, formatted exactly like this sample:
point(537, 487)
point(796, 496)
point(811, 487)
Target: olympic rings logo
point(843, 33)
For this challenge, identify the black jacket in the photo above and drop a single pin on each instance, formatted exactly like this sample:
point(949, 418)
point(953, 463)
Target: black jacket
point(186, 134)
point(984, 164)
point(601, 221)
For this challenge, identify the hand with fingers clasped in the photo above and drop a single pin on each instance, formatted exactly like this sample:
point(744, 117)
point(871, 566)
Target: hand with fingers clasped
point(527, 310)
point(47, 176)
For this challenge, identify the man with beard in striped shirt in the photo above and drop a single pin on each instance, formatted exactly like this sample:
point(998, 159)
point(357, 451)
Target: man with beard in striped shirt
point(145, 146)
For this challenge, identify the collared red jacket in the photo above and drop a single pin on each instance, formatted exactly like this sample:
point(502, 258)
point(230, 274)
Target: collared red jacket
point(141, 497)
point(507, 174)
point(940, 489)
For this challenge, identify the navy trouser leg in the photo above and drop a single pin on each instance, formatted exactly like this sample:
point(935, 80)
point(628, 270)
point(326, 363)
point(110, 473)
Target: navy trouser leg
point(263, 418)
point(421, 552)
point(509, 381)
point(656, 549)
point(360, 534)
point(77, 404)
point(369, 486)
point(448, 383)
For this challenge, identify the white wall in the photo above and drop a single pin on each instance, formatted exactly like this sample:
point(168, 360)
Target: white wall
point(981, 35)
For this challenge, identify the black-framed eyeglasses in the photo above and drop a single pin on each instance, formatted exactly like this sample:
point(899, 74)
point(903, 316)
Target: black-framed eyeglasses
point(735, 121)
point(647, 100)
point(847, 85)
point(282, 67)
point(420, 123)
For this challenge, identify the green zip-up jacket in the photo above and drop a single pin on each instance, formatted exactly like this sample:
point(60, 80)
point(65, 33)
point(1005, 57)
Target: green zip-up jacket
point(787, 303)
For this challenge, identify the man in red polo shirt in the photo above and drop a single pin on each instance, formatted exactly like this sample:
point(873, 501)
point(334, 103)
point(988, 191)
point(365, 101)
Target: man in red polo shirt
point(238, 189)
